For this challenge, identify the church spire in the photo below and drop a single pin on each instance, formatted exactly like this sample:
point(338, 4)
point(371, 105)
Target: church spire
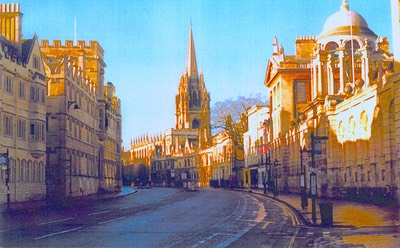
point(191, 64)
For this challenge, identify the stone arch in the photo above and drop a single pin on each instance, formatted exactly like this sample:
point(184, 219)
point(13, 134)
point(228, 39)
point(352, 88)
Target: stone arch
point(29, 171)
point(17, 170)
point(331, 46)
point(196, 124)
point(23, 171)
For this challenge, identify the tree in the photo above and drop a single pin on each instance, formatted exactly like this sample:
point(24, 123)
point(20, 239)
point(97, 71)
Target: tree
point(230, 116)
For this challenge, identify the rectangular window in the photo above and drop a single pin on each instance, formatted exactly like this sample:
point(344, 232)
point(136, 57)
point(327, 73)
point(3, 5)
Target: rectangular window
point(36, 62)
point(42, 133)
point(383, 175)
point(32, 131)
point(369, 176)
point(8, 84)
point(21, 129)
point(21, 90)
point(43, 97)
point(356, 176)
point(8, 125)
point(32, 94)
point(301, 92)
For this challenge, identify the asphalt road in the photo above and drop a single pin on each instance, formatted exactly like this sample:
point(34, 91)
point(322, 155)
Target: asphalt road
point(161, 217)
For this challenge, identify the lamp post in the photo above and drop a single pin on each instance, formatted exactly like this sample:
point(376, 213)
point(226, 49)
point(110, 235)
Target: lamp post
point(276, 164)
point(268, 163)
point(303, 181)
point(6, 166)
point(69, 166)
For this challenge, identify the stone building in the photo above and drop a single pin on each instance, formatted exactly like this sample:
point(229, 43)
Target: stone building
point(255, 146)
point(83, 121)
point(172, 156)
point(22, 110)
point(336, 96)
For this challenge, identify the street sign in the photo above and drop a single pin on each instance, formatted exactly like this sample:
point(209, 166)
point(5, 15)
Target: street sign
point(3, 160)
point(302, 180)
point(304, 158)
point(317, 148)
point(313, 183)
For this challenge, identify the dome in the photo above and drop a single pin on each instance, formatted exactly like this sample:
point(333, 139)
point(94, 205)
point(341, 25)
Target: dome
point(340, 22)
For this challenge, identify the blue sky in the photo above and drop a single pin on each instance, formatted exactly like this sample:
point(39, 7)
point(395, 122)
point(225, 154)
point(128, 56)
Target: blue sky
point(145, 44)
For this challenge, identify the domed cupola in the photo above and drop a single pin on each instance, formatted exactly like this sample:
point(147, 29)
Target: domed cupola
point(340, 23)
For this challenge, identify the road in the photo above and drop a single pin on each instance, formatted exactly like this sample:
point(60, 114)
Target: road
point(161, 217)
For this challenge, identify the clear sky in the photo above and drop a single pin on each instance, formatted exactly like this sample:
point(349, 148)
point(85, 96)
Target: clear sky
point(145, 44)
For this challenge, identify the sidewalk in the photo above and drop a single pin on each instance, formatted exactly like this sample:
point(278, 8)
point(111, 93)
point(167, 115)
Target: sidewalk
point(345, 213)
point(35, 205)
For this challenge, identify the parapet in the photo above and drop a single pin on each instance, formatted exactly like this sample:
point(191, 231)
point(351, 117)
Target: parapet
point(10, 8)
point(306, 38)
point(305, 45)
point(70, 44)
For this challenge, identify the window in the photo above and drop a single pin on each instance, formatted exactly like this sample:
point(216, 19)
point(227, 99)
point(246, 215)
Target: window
point(8, 84)
point(8, 125)
point(301, 91)
point(383, 175)
point(32, 131)
point(36, 62)
point(43, 96)
point(21, 90)
point(37, 131)
point(32, 95)
point(21, 129)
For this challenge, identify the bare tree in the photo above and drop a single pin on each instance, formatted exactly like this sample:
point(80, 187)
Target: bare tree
point(230, 116)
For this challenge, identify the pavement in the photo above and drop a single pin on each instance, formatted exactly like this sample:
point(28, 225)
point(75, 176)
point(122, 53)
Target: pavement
point(37, 204)
point(345, 213)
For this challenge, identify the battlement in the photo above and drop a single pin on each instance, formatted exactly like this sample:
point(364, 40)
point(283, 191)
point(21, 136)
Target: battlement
point(306, 38)
point(10, 8)
point(70, 44)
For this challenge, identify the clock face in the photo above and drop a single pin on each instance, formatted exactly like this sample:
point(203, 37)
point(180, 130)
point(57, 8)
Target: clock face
point(3, 160)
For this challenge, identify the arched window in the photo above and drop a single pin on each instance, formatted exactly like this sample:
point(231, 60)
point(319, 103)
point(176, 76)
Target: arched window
point(195, 98)
point(17, 170)
point(23, 171)
point(331, 47)
point(195, 124)
point(34, 171)
point(29, 171)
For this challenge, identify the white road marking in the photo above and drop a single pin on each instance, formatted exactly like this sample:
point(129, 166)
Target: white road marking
point(101, 212)
point(107, 221)
point(57, 233)
point(2, 231)
point(54, 221)
point(266, 224)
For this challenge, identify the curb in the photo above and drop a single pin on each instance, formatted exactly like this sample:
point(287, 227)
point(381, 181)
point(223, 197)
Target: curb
point(298, 212)
point(42, 204)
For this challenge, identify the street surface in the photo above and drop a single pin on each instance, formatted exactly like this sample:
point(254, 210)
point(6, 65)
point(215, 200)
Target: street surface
point(170, 217)
point(159, 217)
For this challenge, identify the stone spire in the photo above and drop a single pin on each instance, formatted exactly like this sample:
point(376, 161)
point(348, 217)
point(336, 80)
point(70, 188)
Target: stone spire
point(191, 64)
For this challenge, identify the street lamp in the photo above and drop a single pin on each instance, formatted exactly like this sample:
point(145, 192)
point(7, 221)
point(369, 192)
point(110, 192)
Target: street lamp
point(6, 166)
point(276, 164)
point(303, 181)
point(268, 162)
